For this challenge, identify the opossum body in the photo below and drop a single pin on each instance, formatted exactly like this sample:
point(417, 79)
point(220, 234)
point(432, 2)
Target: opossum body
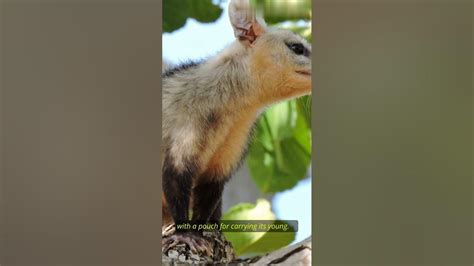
point(209, 109)
point(206, 127)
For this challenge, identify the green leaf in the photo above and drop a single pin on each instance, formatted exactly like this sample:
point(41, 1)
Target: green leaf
point(278, 11)
point(255, 242)
point(176, 12)
point(304, 108)
point(270, 242)
point(280, 153)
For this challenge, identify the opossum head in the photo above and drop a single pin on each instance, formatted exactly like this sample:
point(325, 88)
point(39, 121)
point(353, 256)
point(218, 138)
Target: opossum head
point(279, 60)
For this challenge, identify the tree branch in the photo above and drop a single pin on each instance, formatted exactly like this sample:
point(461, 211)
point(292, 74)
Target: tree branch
point(297, 254)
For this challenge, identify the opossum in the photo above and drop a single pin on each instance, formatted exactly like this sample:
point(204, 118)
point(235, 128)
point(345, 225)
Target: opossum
point(210, 107)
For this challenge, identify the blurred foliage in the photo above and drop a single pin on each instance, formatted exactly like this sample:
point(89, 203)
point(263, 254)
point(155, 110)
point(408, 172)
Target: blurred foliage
point(304, 31)
point(255, 242)
point(280, 154)
point(279, 11)
point(281, 151)
point(176, 12)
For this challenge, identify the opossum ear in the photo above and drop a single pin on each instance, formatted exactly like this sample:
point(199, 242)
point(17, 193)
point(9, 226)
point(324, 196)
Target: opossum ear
point(247, 27)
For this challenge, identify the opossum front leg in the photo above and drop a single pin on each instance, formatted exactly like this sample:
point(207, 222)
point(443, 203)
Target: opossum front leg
point(207, 201)
point(177, 186)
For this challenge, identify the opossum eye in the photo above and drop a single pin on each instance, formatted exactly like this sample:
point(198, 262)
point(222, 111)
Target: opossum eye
point(298, 48)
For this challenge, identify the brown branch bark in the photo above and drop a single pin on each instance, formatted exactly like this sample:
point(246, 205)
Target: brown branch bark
point(297, 254)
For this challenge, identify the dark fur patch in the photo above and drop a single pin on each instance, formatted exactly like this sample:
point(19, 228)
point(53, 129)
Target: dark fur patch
point(212, 120)
point(177, 186)
point(207, 200)
point(180, 68)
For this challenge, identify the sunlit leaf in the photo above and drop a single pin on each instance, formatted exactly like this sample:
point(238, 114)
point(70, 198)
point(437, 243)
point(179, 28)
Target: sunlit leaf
point(278, 11)
point(255, 242)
